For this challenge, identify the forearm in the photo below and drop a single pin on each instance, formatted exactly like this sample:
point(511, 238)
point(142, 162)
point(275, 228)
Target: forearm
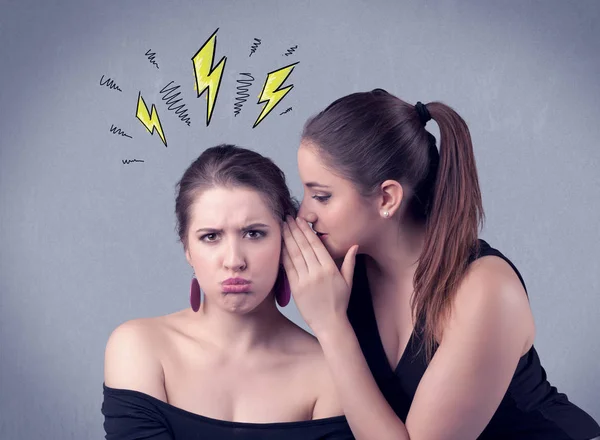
point(368, 413)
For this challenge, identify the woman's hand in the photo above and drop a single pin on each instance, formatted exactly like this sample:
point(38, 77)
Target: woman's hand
point(320, 290)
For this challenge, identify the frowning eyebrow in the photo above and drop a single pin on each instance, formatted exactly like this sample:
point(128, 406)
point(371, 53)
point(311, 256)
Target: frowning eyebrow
point(244, 229)
point(315, 185)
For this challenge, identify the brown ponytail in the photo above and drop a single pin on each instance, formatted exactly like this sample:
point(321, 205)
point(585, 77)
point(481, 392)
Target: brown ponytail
point(452, 226)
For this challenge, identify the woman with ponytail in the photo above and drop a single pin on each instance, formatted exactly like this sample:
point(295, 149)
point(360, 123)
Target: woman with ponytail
point(426, 328)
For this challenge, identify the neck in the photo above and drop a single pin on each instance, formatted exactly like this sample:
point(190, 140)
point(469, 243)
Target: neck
point(394, 253)
point(240, 333)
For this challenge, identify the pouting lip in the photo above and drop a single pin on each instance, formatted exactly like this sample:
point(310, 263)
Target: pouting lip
point(235, 281)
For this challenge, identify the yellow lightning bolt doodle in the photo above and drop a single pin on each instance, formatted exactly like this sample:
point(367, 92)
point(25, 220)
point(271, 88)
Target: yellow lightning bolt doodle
point(206, 76)
point(150, 121)
point(271, 94)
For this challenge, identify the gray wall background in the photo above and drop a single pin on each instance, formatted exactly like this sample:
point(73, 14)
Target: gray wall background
point(87, 242)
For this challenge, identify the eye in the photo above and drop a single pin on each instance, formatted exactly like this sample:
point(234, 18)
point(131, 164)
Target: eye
point(254, 235)
point(321, 199)
point(209, 237)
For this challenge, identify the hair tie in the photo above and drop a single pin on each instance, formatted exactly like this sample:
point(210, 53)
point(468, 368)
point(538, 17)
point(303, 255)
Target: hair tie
point(423, 113)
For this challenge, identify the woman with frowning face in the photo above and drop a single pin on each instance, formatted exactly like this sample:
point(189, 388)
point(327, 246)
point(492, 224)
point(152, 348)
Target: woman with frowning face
point(429, 329)
point(231, 366)
point(233, 245)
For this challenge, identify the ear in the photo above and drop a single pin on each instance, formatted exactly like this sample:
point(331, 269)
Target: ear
point(391, 196)
point(188, 257)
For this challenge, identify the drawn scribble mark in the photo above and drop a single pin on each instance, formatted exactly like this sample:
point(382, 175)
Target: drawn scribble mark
point(271, 94)
point(110, 84)
point(291, 50)
point(151, 56)
point(254, 46)
point(170, 97)
point(207, 77)
point(288, 110)
point(128, 161)
point(150, 119)
point(242, 92)
point(115, 130)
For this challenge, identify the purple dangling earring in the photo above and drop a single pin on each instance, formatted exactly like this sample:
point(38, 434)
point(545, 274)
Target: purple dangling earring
point(195, 294)
point(283, 292)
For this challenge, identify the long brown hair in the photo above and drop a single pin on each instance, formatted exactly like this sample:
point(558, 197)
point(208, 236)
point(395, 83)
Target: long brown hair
point(374, 136)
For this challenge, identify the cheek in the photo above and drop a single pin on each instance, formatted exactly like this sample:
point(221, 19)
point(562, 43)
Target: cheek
point(341, 215)
point(265, 265)
point(204, 268)
point(267, 253)
point(203, 257)
point(347, 222)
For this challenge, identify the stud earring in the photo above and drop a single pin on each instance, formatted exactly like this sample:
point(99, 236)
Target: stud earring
point(386, 214)
point(195, 294)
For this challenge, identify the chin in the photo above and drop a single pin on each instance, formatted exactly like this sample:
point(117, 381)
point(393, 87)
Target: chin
point(240, 309)
point(334, 251)
point(241, 303)
point(338, 254)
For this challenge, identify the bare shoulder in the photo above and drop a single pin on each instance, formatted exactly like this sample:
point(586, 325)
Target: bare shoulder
point(492, 295)
point(491, 281)
point(316, 372)
point(301, 345)
point(132, 357)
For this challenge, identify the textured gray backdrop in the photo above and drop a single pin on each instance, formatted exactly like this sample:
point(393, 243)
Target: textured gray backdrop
point(87, 242)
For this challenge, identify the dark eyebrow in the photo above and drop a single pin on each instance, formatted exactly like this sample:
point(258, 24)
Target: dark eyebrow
point(209, 230)
point(246, 228)
point(255, 225)
point(315, 184)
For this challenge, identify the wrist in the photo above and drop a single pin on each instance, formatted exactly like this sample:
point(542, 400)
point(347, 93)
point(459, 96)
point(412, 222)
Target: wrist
point(334, 332)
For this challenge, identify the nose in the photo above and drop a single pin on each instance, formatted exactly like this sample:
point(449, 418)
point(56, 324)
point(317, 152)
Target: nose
point(306, 214)
point(234, 259)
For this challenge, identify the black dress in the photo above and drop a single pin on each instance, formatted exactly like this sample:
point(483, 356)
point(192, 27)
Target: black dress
point(132, 415)
point(531, 408)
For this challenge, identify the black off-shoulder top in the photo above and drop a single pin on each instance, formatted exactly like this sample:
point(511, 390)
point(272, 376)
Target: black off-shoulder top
point(133, 415)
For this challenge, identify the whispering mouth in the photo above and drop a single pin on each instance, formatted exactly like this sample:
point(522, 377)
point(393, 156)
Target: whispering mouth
point(319, 234)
